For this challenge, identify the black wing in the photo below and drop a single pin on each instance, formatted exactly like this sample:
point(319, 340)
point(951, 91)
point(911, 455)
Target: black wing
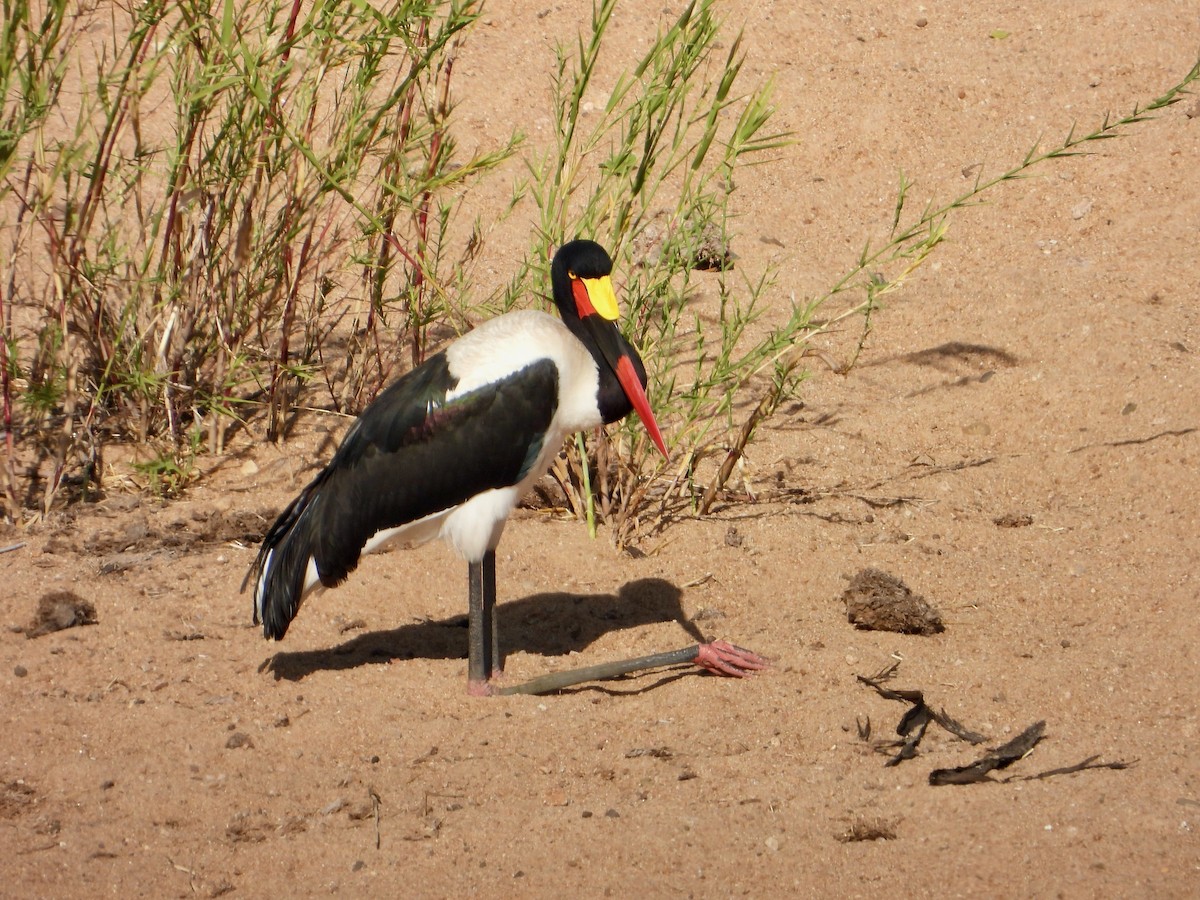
point(411, 454)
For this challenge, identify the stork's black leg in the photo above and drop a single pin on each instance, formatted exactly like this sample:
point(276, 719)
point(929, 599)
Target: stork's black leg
point(483, 641)
point(485, 664)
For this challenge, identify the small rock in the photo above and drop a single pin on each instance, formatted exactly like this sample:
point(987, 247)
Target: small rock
point(249, 467)
point(238, 739)
point(1082, 208)
point(921, 23)
point(20, 671)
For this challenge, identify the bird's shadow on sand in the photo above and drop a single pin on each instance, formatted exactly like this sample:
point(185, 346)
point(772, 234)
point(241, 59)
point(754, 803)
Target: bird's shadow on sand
point(553, 624)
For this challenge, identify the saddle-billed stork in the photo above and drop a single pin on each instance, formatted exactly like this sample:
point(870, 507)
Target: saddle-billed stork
point(451, 447)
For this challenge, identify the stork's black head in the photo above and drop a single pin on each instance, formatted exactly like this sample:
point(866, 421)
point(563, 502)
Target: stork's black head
point(585, 298)
point(588, 264)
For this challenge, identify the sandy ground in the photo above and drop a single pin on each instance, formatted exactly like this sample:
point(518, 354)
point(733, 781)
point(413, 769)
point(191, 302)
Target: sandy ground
point(1019, 445)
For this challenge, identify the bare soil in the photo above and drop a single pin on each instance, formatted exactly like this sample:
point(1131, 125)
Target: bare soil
point(1019, 445)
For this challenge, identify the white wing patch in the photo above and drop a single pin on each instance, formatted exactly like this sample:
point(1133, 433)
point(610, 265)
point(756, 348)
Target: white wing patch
point(527, 336)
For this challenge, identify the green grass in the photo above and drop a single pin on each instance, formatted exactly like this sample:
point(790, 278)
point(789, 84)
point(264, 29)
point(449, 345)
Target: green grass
point(255, 205)
point(261, 211)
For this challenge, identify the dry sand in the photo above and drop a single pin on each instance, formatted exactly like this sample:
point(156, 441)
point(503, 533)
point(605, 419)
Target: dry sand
point(1019, 445)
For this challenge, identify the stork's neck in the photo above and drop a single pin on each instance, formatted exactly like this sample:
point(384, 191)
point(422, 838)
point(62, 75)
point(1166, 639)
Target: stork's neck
point(611, 399)
point(603, 340)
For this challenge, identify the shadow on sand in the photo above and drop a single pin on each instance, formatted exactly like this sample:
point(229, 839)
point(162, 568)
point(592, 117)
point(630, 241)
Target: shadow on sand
point(552, 624)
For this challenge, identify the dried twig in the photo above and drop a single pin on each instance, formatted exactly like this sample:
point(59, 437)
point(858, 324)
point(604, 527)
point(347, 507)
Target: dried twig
point(1000, 758)
point(375, 804)
point(1089, 763)
point(915, 721)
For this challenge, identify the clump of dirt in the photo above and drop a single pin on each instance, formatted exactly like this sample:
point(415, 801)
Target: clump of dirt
point(1013, 520)
point(15, 798)
point(877, 601)
point(875, 829)
point(58, 610)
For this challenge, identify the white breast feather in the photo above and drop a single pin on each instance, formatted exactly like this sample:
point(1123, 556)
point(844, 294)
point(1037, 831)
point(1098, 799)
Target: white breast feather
point(494, 350)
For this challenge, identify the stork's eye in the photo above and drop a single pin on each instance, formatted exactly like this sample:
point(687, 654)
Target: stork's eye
point(571, 274)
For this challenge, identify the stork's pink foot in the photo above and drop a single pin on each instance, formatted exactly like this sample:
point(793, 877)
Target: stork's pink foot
point(479, 689)
point(486, 687)
point(723, 658)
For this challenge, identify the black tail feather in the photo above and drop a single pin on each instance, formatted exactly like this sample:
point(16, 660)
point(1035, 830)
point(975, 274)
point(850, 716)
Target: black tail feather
point(283, 557)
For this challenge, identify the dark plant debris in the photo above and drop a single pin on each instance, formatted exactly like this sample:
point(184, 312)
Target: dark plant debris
point(864, 728)
point(915, 721)
point(1000, 758)
point(877, 601)
point(1018, 748)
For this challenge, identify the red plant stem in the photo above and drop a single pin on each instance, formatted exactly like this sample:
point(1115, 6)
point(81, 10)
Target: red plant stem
point(764, 409)
point(169, 228)
point(391, 239)
point(289, 35)
point(291, 29)
point(435, 149)
point(277, 367)
point(289, 312)
point(7, 300)
point(6, 392)
point(108, 141)
point(391, 172)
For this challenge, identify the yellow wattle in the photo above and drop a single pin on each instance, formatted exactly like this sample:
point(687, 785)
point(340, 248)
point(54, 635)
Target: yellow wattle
point(603, 297)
